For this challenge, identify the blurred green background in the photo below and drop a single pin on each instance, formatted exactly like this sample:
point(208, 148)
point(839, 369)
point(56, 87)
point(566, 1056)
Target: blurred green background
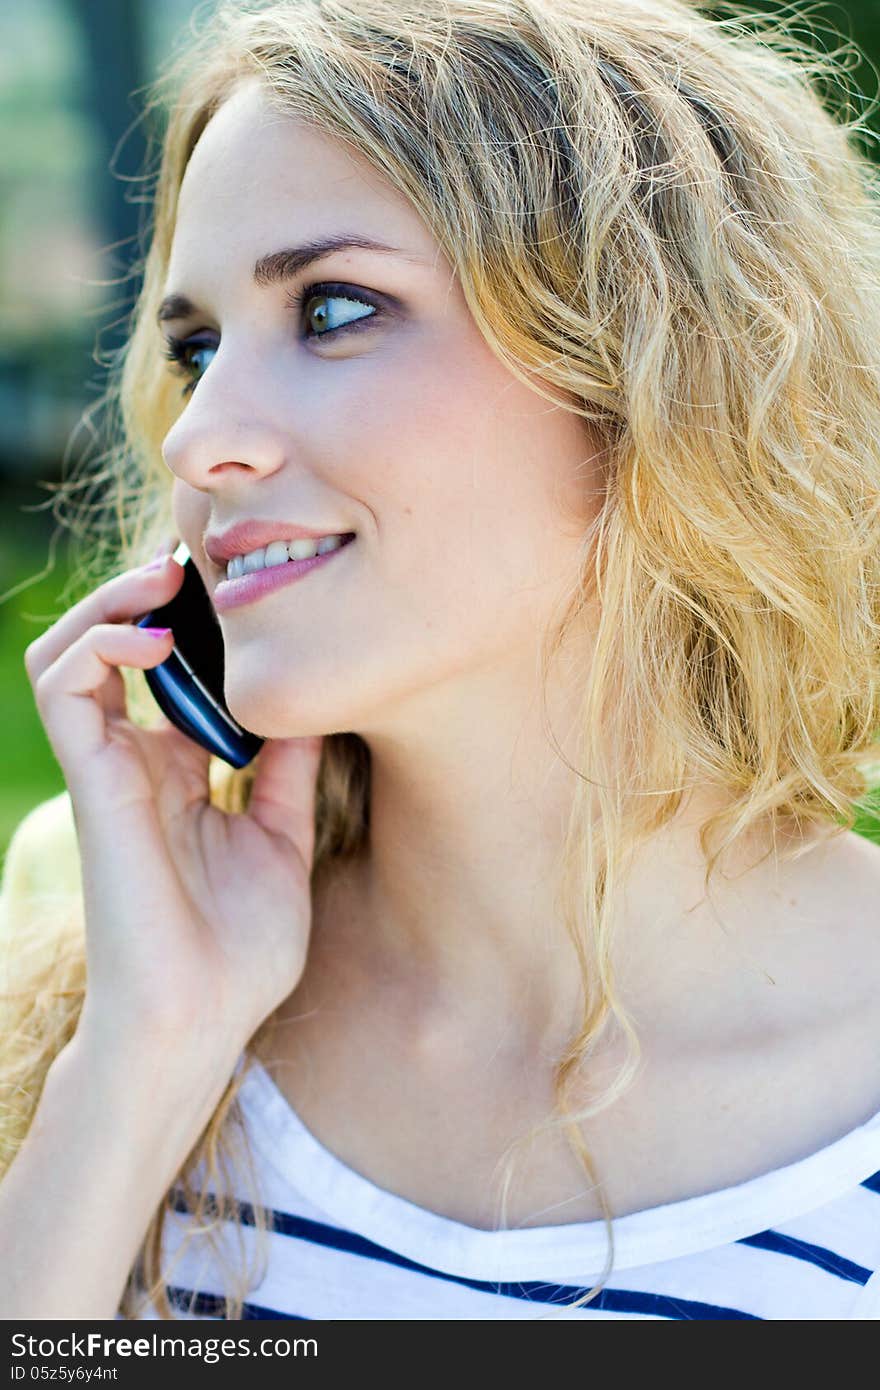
point(70, 156)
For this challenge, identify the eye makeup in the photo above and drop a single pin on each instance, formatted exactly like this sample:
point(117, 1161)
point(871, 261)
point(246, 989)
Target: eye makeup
point(178, 350)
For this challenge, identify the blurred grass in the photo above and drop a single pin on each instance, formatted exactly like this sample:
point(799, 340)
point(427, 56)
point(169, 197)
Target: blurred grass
point(868, 820)
point(31, 772)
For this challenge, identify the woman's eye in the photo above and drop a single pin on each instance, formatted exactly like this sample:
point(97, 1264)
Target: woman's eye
point(322, 322)
point(178, 351)
point(327, 319)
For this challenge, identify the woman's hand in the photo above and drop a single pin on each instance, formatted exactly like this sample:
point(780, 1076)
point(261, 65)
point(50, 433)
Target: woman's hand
point(197, 921)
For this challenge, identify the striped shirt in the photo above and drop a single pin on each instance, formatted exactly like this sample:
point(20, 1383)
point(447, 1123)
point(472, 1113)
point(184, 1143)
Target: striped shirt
point(802, 1241)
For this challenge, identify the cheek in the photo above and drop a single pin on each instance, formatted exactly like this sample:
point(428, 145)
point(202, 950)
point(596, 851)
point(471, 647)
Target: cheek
point(472, 478)
point(433, 443)
point(191, 510)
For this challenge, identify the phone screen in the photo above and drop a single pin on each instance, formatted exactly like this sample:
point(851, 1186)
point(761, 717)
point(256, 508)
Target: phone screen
point(188, 685)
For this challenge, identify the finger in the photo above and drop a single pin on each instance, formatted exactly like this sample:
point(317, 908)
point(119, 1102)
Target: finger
point(67, 691)
point(119, 600)
point(178, 768)
point(282, 798)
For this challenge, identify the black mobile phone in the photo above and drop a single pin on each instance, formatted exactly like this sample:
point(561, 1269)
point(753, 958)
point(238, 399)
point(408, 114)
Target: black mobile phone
point(188, 685)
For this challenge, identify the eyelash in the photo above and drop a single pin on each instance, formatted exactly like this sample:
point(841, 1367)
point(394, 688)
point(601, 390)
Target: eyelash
point(176, 349)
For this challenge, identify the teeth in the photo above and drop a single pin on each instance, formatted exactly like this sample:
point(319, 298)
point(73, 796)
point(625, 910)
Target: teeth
point(275, 554)
point(278, 553)
point(253, 561)
point(302, 550)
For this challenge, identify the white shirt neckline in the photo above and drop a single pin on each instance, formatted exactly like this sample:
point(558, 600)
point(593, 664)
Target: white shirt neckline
point(574, 1251)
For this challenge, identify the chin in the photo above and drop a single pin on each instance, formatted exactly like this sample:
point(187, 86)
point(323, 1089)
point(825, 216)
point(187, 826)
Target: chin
point(273, 722)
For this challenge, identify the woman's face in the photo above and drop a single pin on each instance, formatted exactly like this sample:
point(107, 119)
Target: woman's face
point(468, 492)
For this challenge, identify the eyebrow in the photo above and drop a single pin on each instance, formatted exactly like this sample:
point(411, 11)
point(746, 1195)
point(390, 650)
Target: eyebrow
point(279, 266)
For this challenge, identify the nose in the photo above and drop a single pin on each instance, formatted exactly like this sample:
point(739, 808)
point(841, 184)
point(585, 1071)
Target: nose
point(221, 438)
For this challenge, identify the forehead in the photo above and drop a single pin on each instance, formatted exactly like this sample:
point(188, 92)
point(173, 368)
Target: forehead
point(258, 179)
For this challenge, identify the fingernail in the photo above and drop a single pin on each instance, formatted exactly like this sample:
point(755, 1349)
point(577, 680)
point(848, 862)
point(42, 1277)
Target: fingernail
point(156, 631)
point(156, 564)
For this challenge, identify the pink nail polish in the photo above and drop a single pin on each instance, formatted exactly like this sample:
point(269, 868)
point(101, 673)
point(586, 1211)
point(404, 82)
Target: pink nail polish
point(156, 631)
point(156, 564)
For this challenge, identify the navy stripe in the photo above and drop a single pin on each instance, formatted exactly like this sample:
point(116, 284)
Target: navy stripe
point(815, 1254)
point(608, 1300)
point(872, 1183)
point(211, 1305)
point(214, 1305)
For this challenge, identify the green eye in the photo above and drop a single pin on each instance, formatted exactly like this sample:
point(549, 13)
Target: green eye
point(332, 293)
point(178, 350)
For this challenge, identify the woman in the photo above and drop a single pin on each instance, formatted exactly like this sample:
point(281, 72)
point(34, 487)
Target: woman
point(532, 965)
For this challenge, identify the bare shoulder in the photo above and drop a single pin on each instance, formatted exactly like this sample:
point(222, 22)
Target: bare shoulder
point(859, 884)
point(845, 868)
point(847, 851)
point(832, 894)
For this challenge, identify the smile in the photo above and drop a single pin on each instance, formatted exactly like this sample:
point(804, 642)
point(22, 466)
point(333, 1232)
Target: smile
point(247, 588)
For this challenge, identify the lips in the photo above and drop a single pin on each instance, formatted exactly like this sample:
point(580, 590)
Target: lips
point(247, 588)
point(245, 536)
